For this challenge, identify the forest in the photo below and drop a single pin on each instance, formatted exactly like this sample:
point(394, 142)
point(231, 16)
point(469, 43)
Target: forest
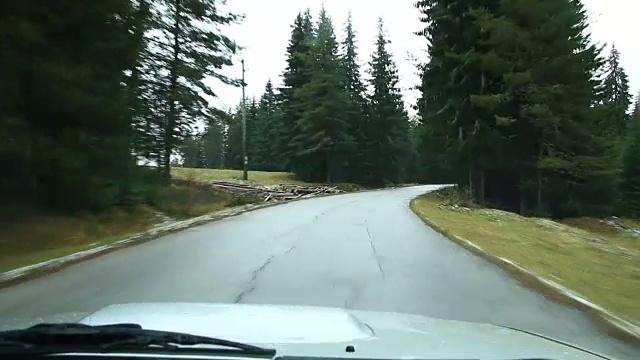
point(518, 105)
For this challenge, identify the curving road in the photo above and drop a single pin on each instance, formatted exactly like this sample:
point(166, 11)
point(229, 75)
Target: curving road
point(364, 251)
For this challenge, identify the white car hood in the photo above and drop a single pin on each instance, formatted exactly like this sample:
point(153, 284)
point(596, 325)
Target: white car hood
point(325, 332)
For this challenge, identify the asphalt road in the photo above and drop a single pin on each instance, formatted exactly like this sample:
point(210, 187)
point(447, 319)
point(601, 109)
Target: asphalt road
point(364, 251)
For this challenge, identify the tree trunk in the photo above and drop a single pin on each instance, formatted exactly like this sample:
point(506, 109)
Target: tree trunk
point(539, 182)
point(172, 116)
point(328, 160)
point(470, 169)
point(481, 188)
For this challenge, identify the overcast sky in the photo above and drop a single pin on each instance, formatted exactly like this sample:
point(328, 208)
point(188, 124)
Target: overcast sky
point(265, 32)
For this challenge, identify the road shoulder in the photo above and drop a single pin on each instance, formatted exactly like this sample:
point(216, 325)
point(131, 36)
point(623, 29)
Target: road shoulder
point(490, 235)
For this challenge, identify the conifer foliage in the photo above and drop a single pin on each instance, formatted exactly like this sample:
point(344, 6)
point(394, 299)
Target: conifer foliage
point(513, 108)
point(91, 90)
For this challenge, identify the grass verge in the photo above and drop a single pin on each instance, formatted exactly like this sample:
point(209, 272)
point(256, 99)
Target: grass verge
point(28, 236)
point(585, 255)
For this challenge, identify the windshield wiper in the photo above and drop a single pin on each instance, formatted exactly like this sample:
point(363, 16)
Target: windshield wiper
point(115, 337)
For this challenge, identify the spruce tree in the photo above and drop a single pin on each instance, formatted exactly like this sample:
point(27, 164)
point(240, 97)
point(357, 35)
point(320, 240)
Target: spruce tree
point(267, 132)
point(630, 182)
point(253, 127)
point(213, 144)
point(233, 148)
point(357, 112)
point(617, 97)
point(189, 49)
point(295, 76)
point(509, 91)
point(387, 131)
point(71, 151)
point(322, 142)
point(456, 136)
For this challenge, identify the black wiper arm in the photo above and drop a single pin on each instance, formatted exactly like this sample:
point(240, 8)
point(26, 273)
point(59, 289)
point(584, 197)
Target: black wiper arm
point(116, 336)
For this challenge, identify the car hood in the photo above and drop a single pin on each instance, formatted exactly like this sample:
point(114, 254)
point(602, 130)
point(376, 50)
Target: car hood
point(326, 332)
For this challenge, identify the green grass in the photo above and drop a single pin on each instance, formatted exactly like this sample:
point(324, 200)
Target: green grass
point(585, 255)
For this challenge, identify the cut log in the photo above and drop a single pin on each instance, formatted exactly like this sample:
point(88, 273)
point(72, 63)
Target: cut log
point(280, 192)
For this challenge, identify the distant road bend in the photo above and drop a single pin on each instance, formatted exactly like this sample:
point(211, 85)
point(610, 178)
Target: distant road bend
point(363, 251)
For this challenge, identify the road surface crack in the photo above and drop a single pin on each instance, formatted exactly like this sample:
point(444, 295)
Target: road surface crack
point(251, 285)
point(375, 252)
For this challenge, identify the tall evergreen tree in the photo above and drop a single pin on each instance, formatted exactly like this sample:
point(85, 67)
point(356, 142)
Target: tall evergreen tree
point(453, 135)
point(517, 79)
point(189, 49)
point(213, 144)
point(322, 142)
point(387, 132)
point(253, 132)
point(295, 76)
point(617, 97)
point(233, 149)
point(635, 112)
point(268, 126)
point(71, 151)
point(357, 111)
point(630, 179)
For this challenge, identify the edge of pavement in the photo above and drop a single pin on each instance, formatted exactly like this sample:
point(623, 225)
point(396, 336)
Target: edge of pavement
point(14, 276)
point(18, 275)
point(609, 322)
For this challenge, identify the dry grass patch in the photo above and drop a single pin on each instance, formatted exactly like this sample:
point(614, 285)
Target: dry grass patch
point(28, 236)
point(42, 236)
point(256, 177)
point(585, 255)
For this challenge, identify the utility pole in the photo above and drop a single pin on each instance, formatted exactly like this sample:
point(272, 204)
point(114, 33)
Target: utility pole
point(245, 159)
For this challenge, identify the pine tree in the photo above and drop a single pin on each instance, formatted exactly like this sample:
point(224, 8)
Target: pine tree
point(267, 132)
point(213, 144)
point(387, 132)
point(510, 91)
point(322, 142)
point(233, 148)
point(189, 49)
point(617, 97)
point(191, 152)
point(140, 90)
point(357, 112)
point(455, 136)
point(295, 76)
point(635, 112)
point(71, 151)
point(630, 182)
point(253, 128)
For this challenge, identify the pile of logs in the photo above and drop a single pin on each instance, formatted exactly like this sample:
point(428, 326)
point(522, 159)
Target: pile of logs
point(280, 192)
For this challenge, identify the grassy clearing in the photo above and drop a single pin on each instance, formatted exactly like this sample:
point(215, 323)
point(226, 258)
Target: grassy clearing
point(28, 236)
point(256, 177)
point(586, 255)
point(182, 202)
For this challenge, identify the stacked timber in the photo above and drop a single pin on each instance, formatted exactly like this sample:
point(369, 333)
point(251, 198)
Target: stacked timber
point(280, 192)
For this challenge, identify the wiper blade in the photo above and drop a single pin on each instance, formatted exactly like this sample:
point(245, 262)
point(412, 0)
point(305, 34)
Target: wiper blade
point(72, 336)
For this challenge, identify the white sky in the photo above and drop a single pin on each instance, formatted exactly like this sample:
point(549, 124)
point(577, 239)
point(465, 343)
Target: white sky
point(265, 33)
